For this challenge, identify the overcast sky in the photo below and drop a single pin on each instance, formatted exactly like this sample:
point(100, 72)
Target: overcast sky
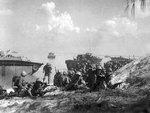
point(37, 27)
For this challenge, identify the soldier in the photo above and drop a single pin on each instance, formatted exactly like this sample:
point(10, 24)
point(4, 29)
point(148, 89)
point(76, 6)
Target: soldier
point(100, 82)
point(91, 79)
point(71, 73)
point(18, 83)
point(77, 82)
point(3, 92)
point(47, 70)
point(56, 78)
point(66, 79)
point(37, 89)
point(78, 66)
point(71, 85)
point(27, 91)
point(80, 83)
point(88, 66)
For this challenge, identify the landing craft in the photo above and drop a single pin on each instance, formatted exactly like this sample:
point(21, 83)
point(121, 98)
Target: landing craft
point(12, 66)
point(51, 56)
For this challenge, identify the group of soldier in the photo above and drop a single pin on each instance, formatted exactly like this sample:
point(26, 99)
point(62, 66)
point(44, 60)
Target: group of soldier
point(86, 77)
point(93, 78)
point(23, 88)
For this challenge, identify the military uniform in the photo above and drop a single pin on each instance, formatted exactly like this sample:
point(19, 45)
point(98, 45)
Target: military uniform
point(66, 80)
point(3, 92)
point(37, 89)
point(47, 71)
point(100, 82)
point(91, 79)
point(18, 83)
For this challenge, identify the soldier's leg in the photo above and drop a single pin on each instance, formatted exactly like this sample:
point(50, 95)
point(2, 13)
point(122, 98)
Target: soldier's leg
point(44, 78)
point(105, 85)
point(48, 79)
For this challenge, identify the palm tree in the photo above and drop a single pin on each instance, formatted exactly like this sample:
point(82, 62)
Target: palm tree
point(131, 6)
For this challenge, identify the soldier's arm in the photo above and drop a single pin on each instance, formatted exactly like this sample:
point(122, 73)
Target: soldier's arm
point(29, 92)
point(95, 78)
point(20, 84)
point(77, 82)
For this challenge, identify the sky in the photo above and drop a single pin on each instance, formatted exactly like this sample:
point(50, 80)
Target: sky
point(70, 27)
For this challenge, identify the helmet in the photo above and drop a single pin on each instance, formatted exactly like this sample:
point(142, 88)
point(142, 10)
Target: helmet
point(79, 73)
point(23, 73)
point(64, 73)
point(48, 64)
point(38, 80)
point(98, 67)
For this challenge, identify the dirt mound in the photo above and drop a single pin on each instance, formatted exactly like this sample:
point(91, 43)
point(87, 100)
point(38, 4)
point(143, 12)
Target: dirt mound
point(136, 73)
point(110, 101)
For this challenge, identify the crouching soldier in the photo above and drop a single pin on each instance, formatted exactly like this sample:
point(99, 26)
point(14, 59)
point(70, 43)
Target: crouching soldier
point(80, 83)
point(27, 92)
point(38, 88)
point(77, 82)
point(100, 82)
point(35, 90)
point(91, 79)
point(3, 92)
point(18, 83)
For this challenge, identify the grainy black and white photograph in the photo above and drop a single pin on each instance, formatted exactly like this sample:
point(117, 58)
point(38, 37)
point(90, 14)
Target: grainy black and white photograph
point(74, 56)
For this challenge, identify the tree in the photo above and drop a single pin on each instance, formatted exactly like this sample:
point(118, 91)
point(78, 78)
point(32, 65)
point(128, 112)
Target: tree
point(131, 4)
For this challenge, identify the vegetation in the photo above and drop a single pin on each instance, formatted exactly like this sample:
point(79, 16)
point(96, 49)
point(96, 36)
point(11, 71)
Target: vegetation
point(131, 4)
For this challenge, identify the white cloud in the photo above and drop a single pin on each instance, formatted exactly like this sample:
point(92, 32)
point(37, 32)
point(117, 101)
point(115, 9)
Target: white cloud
point(61, 22)
point(91, 30)
point(111, 23)
point(117, 26)
point(147, 47)
point(49, 7)
point(37, 27)
point(6, 12)
point(121, 26)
